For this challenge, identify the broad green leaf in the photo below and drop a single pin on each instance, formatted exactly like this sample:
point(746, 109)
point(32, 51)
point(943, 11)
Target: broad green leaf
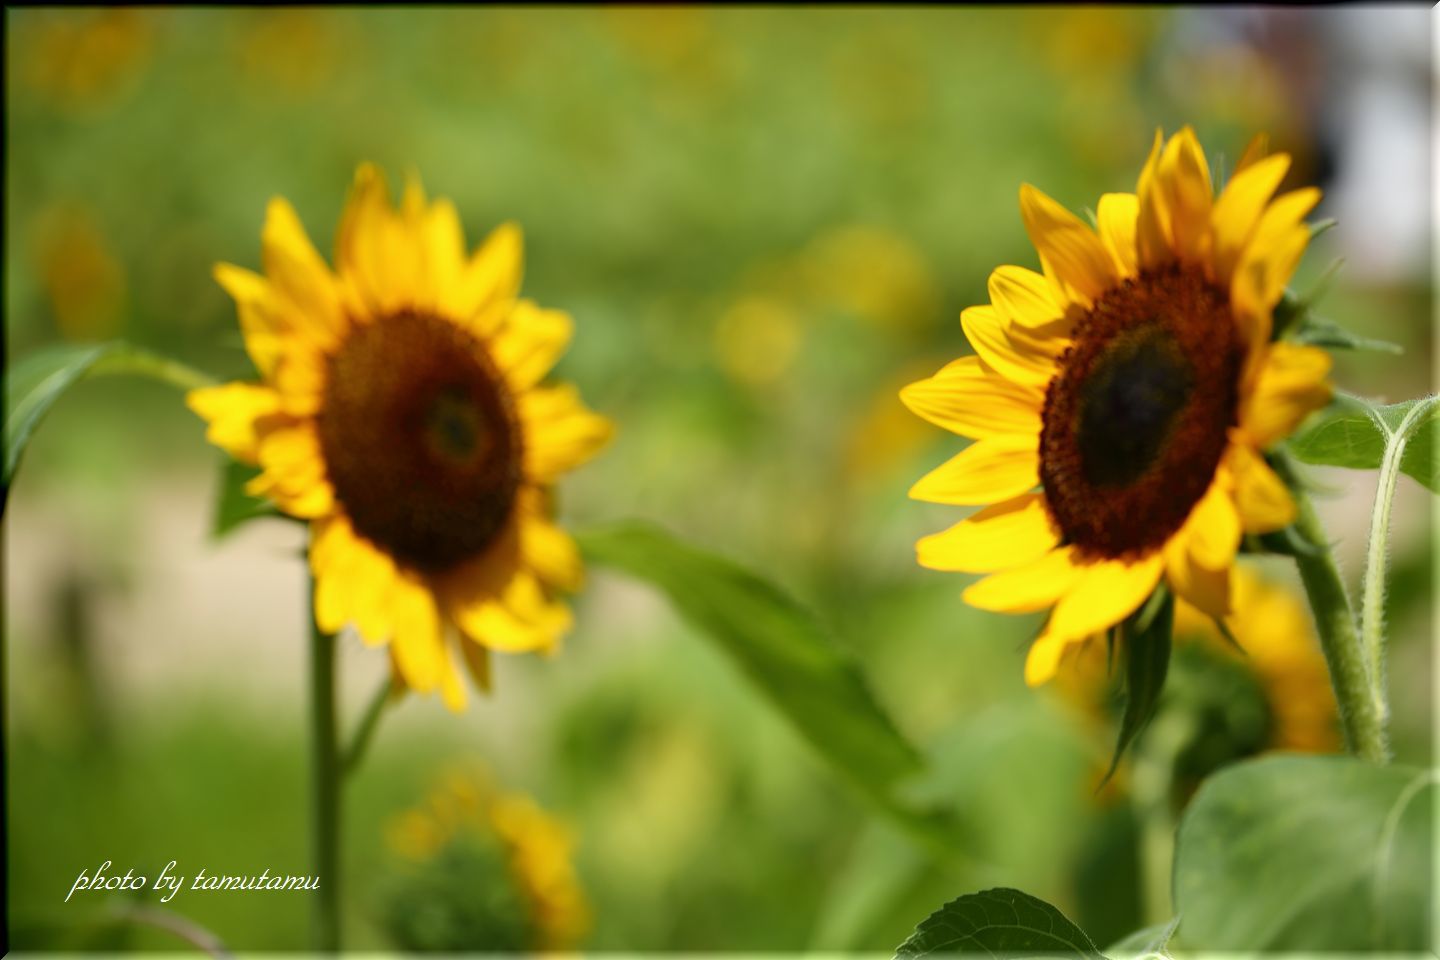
point(1307, 852)
point(233, 506)
point(1146, 638)
point(779, 646)
point(1352, 433)
point(998, 923)
point(1144, 944)
point(33, 384)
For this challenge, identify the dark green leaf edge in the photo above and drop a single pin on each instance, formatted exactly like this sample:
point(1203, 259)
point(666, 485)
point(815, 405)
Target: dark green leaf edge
point(991, 922)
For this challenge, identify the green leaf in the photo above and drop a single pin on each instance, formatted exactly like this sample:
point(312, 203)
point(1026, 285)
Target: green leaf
point(233, 506)
point(32, 386)
point(779, 646)
point(998, 923)
point(1307, 852)
point(1318, 331)
point(1146, 943)
point(1352, 433)
point(1146, 637)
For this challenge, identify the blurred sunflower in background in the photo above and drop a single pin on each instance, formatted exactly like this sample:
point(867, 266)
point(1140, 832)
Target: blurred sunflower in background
point(1273, 693)
point(484, 869)
point(1136, 381)
point(400, 411)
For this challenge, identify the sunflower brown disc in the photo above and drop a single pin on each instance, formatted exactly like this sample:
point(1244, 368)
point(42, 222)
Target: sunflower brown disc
point(420, 440)
point(1137, 418)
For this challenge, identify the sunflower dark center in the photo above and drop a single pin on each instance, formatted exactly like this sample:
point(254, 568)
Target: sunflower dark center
point(419, 437)
point(1137, 418)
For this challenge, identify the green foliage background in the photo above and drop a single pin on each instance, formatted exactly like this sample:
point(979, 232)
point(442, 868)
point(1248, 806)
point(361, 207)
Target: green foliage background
point(765, 222)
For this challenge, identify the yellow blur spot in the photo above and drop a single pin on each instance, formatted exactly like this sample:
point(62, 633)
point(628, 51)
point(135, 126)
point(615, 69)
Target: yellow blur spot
point(83, 280)
point(757, 339)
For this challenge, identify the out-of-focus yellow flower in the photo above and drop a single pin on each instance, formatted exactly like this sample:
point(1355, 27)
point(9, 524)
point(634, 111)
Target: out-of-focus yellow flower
point(78, 57)
point(1137, 383)
point(294, 50)
point(757, 339)
point(659, 35)
point(83, 279)
point(1085, 41)
point(884, 434)
point(1275, 631)
point(402, 412)
point(1278, 648)
point(874, 273)
point(538, 849)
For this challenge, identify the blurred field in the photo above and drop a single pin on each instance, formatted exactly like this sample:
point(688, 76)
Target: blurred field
point(765, 222)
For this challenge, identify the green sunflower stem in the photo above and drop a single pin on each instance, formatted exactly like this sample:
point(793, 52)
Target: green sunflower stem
point(135, 361)
point(1362, 707)
point(325, 790)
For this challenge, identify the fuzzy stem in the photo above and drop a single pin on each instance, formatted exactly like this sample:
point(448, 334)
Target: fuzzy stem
point(1362, 722)
point(325, 791)
point(1372, 601)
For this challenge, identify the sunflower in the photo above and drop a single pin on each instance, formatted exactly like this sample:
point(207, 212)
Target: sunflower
point(1278, 662)
point(1137, 383)
point(401, 413)
point(459, 833)
point(1273, 629)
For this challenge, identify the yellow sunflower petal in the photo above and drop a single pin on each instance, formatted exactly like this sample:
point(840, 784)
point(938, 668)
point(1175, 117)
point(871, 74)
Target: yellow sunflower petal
point(1270, 257)
point(1104, 593)
point(1238, 210)
point(520, 620)
point(969, 400)
point(298, 275)
point(1262, 498)
point(1071, 253)
point(294, 471)
point(987, 471)
point(1016, 354)
point(1024, 589)
point(1152, 226)
point(1117, 218)
point(1043, 658)
point(550, 552)
point(452, 688)
point(375, 252)
point(299, 378)
point(354, 581)
point(417, 640)
point(443, 242)
point(492, 276)
point(1006, 534)
point(263, 331)
point(528, 344)
point(1100, 596)
point(1024, 297)
point(1212, 531)
point(560, 432)
point(1184, 179)
point(1291, 385)
point(238, 416)
point(1207, 589)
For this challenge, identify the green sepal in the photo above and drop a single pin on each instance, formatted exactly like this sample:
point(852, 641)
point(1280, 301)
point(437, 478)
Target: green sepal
point(1146, 639)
